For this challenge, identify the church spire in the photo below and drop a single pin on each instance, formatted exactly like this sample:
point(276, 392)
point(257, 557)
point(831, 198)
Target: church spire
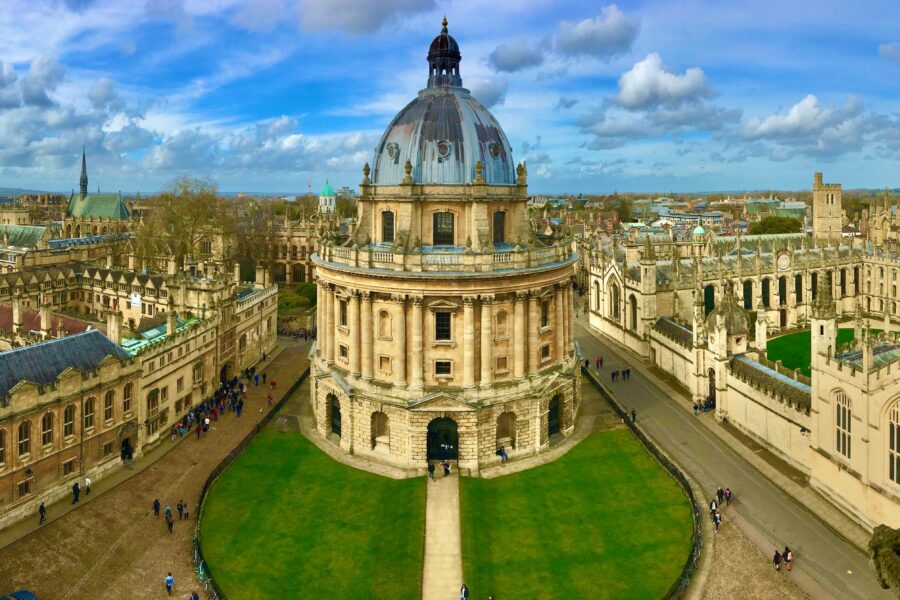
point(84, 177)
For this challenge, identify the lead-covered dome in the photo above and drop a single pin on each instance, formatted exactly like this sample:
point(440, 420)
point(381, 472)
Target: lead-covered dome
point(444, 131)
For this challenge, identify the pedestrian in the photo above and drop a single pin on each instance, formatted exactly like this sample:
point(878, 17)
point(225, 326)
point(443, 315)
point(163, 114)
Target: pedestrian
point(601, 362)
point(187, 511)
point(717, 519)
point(446, 465)
point(612, 375)
point(463, 592)
point(787, 558)
point(504, 457)
point(777, 560)
point(264, 377)
point(206, 424)
point(597, 362)
point(194, 596)
point(167, 512)
point(170, 583)
point(42, 510)
point(180, 507)
point(720, 495)
point(87, 486)
point(156, 507)
point(696, 409)
point(199, 429)
point(173, 432)
point(587, 364)
point(272, 383)
point(633, 415)
point(239, 407)
point(170, 521)
point(270, 399)
point(431, 470)
point(728, 496)
point(256, 380)
point(76, 491)
point(713, 506)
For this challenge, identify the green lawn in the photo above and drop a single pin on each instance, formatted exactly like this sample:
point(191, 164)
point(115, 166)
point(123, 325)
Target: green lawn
point(794, 350)
point(285, 520)
point(604, 521)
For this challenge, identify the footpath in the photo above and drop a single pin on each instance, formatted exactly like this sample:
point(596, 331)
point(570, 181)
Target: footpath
point(442, 575)
point(111, 545)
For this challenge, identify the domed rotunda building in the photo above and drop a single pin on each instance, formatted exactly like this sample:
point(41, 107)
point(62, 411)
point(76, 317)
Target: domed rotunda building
point(445, 320)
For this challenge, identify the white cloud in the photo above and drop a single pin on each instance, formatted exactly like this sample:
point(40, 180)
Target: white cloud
point(489, 92)
point(515, 56)
point(103, 94)
point(261, 15)
point(357, 17)
point(565, 102)
point(610, 34)
point(890, 51)
point(43, 76)
point(648, 84)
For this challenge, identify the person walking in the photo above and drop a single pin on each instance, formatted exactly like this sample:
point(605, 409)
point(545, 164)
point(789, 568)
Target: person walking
point(431, 470)
point(713, 507)
point(239, 407)
point(463, 592)
point(187, 511)
point(446, 465)
point(156, 506)
point(597, 362)
point(728, 496)
point(170, 583)
point(264, 377)
point(777, 559)
point(633, 415)
point(180, 508)
point(76, 492)
point(256, 380)
point(170, 521)
point(270, 399)
point(42, 510)
point(194, 596)
point(87, 486)
point(787, 558)
point(717, 520)
point(272, 383)
point(720, 495)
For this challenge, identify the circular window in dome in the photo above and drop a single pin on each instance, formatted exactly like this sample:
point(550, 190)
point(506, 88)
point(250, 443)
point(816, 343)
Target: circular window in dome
point(392, 150)
point(443, 148)
point(494, 149)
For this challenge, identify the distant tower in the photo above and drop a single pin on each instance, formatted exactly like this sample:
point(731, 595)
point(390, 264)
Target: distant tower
point(327, 199)
point(84, 177)
point(822, 323)
point(826, 210)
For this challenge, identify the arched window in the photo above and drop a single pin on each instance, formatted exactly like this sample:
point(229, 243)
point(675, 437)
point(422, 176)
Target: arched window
point(596, 296)
point(387, 226)
point(843, 282)
point(502, 328)
point(842, 424)
point(69, 421)
point(633, 310)
point(242, 343)
point(798, 288)
point(152, 402)
point(24, 438)
point(2, 447)
point(893, 445)
point(709, 299)
point(614, 301)
point(384, 325)
point(126, 398)
point(499, 227)
point(506, 430)
point(766, 292)
point(748, 294)
point(108, 400)
point(443, 230)
point(381, 428)
point(814, 285)
point(89, 413)
point(47, 429)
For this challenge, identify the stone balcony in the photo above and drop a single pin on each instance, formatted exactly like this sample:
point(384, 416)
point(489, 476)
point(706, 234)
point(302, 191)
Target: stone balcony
point(446, 259)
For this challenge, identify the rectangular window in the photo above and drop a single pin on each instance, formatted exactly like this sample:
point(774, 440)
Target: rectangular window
point(387, 226)
point(343, 309)
point(24, 489)
point(442, 330)
point(545, 352)
point(384, 364)
point(545, 313)
point(499, 227)
point(443, 229)
point(177, 406)
point(344, 352)
point(842, 429)
point(108, 408)
point(443, 368)
point(107, 449)
point(68, 467)
point(179, 384)
point(69, 421)
point(88, 414)
point(502, 364)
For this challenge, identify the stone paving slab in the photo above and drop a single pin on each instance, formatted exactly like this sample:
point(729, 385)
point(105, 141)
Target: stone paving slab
point(442, 575)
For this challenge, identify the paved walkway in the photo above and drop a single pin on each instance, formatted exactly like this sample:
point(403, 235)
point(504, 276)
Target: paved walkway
point(827, 565)
point(113, 546)
point(442, 576)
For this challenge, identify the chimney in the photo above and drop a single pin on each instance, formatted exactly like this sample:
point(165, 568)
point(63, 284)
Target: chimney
point(46, 325)
point(114, 327)
point(172, 267)
point(260, 276)
point(16, 315)
point(109, 261)
point(171, 321)
point(60, 332)
point(237, 273)
point(131, 262)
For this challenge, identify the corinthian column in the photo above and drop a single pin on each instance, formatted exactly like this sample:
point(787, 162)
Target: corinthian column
point(559, 325)
point(487, 342)
point(354, 333)
point(320, 308)
point(533, 318)
point(365, 332)
point(468, 342)
point(519, 336)
point(400, 371)
point(418, 343)
point(568, 302)
point(329, 323)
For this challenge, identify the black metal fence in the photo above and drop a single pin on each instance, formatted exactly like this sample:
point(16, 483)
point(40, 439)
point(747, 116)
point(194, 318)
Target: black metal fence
point(679, 587)
point(200, 565)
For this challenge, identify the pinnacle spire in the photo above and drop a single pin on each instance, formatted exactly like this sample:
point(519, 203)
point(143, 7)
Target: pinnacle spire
point(84, 177)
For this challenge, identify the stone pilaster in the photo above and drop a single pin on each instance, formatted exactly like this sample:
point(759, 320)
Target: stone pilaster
point(533, 338)
point(559, 325)
point(468, 342)
point(418, 344)
point(353, 322)
point(329, 323)
point(487, 342)
point(366, 333)
point(400, 370)
point(519, 336)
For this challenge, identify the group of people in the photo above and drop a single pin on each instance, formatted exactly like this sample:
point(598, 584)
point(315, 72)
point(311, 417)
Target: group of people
point(445, 465)
point(721, 496)
point(184, 512)
point(624, 373)
point(785, 558)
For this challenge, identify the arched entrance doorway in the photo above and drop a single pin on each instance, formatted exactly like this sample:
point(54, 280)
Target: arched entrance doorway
point(553, 416)
point(335, 406)
point(443, 440)
point(225, 373)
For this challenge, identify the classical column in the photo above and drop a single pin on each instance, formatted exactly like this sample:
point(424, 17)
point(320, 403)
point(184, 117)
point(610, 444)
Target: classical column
point(329, 323)
point(487, 342)
point(519, 336)
point(570, 323)
point(366, 332)
point(355, 341)
point(336, 312)
point(400, 371)
point(533, 322)
point(559, 326)
point(320, 313)
point(418, 344)
point(468, 341)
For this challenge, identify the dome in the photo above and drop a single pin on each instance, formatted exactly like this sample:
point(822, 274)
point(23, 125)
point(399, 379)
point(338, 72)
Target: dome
point(736, 321)
point(444, 131)
point(327, 190)
point(698, 230)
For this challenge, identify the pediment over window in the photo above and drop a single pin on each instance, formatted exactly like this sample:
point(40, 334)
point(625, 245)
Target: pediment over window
point(443, 305)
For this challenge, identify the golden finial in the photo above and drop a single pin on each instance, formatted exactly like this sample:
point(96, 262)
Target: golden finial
point(444, 23)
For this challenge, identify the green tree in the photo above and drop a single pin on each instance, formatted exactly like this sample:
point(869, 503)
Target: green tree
point(768, 225)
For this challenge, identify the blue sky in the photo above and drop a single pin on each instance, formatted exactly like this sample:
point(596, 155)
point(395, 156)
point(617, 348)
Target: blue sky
point(276, 95)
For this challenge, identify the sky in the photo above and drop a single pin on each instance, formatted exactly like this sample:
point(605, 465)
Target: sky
point(275, 96)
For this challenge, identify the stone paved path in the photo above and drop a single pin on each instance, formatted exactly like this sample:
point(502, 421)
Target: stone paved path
point(442, 577)
point(113, 546)
point(827, 565)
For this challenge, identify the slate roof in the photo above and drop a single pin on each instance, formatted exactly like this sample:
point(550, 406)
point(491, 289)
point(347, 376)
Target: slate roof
point(98, 206)
point(23, 236)
point(42, 363)
point(796, 392)
point(675, 331)
point(31, 321)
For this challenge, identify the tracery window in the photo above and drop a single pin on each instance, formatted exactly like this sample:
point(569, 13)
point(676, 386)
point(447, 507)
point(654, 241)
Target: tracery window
point(842, 423)
point(894, 444)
